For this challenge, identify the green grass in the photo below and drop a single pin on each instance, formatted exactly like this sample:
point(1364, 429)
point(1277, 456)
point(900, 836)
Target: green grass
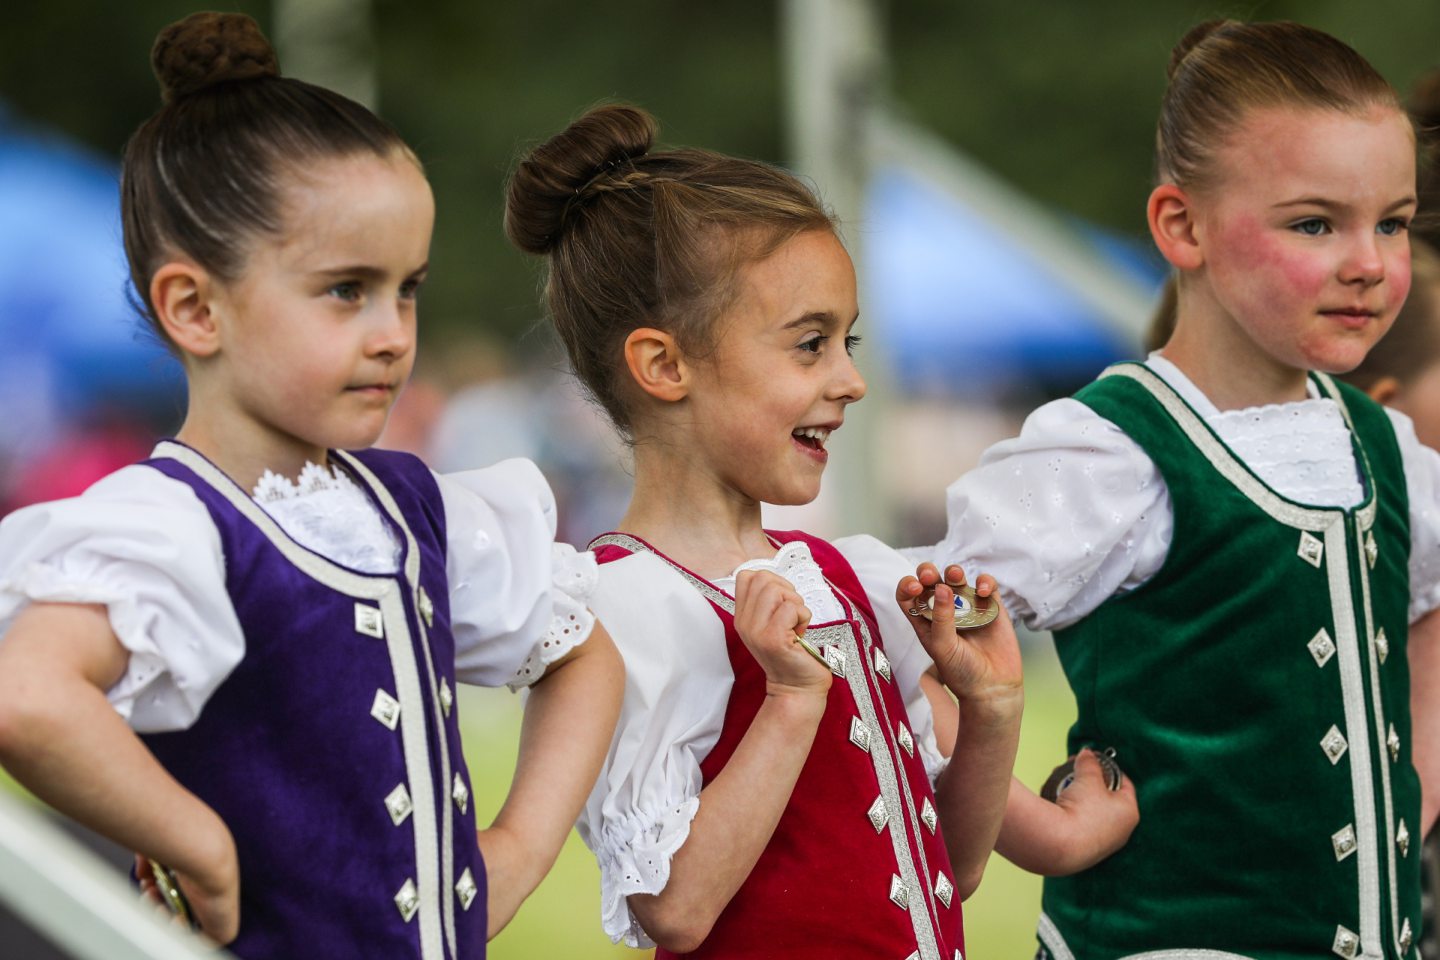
point(562, 918)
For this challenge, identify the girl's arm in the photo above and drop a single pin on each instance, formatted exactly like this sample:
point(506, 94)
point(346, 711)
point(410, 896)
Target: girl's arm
point(1089, 823)
point(569, 719)
point(741, 806)
point(62, 739)
point(983, 671)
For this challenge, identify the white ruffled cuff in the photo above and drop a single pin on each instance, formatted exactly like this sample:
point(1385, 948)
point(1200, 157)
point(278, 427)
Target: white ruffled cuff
point(634, 856)
point(935, 762)
point(573, 577)
point(44, 583)
point(1424, 602)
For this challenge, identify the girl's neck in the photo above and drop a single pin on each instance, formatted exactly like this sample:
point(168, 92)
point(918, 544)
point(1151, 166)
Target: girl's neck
point(1228, 366)
point(243, 457)
point(691, 516)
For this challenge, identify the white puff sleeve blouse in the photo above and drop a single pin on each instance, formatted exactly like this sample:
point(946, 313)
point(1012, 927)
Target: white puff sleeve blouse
point(1072, 511)
point(143, 545)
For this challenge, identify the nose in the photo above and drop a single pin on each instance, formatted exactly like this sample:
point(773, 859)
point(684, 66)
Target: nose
point(393, 334)
point(1364, 261)
point(848, 385)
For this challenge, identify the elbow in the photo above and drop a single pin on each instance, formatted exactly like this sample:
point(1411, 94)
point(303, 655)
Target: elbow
point(23, 724)
point(676, 927)
point(967, 883)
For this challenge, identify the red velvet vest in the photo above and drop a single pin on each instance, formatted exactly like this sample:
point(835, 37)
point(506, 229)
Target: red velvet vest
point(857, 867)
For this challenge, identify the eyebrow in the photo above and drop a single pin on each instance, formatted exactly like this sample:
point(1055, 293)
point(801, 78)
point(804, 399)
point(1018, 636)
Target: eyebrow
point(822, 317)
point(363, 272)
point(1324, 204)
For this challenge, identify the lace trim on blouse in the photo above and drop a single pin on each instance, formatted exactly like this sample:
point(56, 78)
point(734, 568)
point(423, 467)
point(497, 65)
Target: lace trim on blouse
point(574, 577)
point(327, 512)
point(1302, 449)
point(794, 562)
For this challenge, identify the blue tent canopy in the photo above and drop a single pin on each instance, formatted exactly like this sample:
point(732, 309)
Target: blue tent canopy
point(64, 284)
point(963, 307)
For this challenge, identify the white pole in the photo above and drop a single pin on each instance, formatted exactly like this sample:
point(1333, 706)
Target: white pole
point(328, 43)
point(834, 68)
point(68, 894)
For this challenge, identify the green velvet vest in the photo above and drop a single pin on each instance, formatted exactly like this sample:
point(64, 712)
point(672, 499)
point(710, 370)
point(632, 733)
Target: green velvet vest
point(1256, 689)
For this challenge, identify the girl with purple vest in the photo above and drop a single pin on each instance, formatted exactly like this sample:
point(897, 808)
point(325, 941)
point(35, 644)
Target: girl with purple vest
point(240, 656)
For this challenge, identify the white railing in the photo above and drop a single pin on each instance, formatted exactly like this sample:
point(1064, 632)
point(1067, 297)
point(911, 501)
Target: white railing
point(65, 892)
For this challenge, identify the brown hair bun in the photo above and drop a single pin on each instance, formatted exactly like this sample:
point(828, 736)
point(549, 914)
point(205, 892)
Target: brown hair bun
point(210, 48)
point(561, 171)
point(1192, 39)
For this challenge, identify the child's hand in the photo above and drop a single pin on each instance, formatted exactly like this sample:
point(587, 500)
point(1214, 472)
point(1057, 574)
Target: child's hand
point(981, 668)
point(214, 902)
point(1094, 821)
point(769, 616)
point(1087, 824)
point(509, 876)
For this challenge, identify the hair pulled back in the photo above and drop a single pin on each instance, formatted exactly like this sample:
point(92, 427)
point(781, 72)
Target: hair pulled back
point(637, 237)
point(203, 175)
point(1223, 68)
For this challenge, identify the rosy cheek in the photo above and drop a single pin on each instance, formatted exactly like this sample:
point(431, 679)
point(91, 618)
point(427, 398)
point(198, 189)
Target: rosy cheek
point(1271, 265)
point(1397, 278)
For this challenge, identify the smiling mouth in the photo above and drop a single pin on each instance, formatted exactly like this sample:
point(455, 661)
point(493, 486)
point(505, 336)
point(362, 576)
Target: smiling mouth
point(812, 437)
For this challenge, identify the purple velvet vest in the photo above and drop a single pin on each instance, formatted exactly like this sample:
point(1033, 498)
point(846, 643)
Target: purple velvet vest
point(332, 751)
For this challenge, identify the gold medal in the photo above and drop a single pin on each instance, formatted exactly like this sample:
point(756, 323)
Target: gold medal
point(171, 893)
point(1064, 775)
point(970, 611)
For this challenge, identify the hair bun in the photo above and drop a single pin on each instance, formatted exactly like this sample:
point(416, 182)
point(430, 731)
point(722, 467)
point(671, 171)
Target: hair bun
point(552, 177)
point(209, 48)
point(1195, 36)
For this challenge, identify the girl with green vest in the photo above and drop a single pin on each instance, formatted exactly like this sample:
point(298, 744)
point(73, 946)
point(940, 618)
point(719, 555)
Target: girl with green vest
point(1231, 547)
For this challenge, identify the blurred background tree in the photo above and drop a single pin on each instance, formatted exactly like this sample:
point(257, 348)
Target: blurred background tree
point(1057, 97)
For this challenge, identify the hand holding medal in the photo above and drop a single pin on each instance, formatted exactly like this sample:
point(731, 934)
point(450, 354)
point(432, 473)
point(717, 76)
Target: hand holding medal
point(966, 632)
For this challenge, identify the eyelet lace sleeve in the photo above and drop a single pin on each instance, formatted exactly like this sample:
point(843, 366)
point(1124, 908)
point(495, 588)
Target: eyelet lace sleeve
point(518, 600)
point(677, 683)
point(1422, 481)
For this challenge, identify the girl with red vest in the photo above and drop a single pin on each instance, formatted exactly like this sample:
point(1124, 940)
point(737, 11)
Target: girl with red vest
point(757, 800)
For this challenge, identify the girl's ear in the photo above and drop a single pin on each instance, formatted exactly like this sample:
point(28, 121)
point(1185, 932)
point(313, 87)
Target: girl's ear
point(1172, 224)
point(181, 293)
point(656, 364)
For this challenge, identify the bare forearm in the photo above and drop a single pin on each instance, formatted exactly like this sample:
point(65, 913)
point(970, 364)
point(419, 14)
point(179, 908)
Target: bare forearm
point(973, 790)
point(738, 813)
point(569, 718)
point(61, 739)
point(1424, 657)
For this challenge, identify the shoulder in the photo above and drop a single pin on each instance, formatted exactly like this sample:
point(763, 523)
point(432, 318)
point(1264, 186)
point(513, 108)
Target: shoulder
point(878, 566)
point(638, 590)
point(128, 498)
point(509, 485)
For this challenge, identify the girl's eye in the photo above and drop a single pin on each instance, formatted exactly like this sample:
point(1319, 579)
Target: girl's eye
point(814, 344)
point(1392, 227)
point(851, 342)
point(410, 289)
point(1313, 227)
point(349, 291)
